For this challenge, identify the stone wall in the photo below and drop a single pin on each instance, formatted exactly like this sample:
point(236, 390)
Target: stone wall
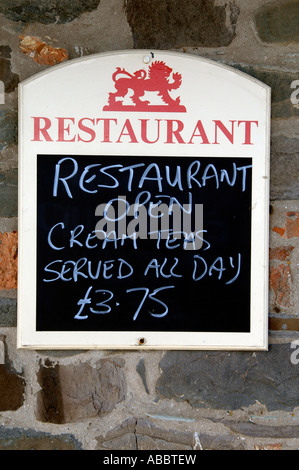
point(156, 399)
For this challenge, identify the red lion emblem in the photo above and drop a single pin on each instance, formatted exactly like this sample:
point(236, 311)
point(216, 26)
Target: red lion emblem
point(156, 80)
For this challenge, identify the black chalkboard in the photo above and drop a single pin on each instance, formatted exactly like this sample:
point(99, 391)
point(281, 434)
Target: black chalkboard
point(85, 283)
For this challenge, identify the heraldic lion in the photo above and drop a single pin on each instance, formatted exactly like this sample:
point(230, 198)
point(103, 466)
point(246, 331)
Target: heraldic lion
point(158, 81)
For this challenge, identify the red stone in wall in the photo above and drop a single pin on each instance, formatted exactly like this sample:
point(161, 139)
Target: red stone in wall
point(281, 284)
point(8, 260)
point(281, 253)
point(41, 52)
point(291, 228)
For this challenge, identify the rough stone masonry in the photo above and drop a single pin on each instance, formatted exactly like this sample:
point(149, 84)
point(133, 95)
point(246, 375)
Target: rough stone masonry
point(160, 400)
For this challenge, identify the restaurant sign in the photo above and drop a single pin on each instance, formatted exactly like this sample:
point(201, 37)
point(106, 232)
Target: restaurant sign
point(143, 192)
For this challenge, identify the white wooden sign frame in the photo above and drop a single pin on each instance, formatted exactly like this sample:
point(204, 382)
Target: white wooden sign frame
point(210, 91)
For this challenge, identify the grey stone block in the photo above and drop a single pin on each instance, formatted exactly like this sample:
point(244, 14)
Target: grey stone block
point(29, 439)
point(231, 380)
point(278, 22)
point(162, 24)
point(8, 312)
point(46, 11)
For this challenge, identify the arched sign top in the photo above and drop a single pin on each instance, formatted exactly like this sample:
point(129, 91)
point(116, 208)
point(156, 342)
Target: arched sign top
point(177, 89)
point(144, 59)
point(144, 181)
